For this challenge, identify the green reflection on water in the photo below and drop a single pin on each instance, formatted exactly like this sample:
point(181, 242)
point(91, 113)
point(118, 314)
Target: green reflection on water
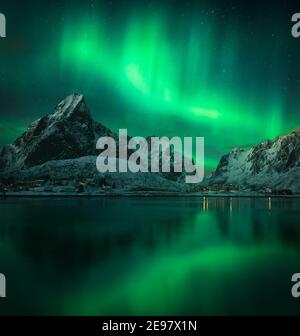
point(149, 256)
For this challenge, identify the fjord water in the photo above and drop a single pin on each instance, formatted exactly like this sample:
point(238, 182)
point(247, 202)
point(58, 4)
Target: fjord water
point(149, 256)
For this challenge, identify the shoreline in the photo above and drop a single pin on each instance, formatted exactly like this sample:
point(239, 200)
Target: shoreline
point(142, 194)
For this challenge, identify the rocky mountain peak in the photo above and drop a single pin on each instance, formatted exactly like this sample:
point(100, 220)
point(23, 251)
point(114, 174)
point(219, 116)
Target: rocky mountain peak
point(73, 105)
point(272, 164)
point(69, 132)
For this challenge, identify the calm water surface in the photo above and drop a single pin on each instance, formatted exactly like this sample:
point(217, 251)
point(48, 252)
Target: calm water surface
point(130, 256)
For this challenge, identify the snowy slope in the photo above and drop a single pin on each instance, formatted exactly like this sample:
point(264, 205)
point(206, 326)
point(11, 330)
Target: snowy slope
point(83, 169)
point(270, 164)
point(69, 132)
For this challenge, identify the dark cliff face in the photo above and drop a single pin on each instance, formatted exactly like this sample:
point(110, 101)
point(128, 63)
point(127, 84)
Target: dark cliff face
point(270, 164)
point(279, 155)
point(289, 152)
point(69, 132)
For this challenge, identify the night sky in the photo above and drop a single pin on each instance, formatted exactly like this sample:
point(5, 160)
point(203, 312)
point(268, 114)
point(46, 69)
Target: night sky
point(225, 70)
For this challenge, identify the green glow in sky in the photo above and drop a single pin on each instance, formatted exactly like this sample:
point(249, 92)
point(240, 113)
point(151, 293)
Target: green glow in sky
point(164, 70)
point(184, 75)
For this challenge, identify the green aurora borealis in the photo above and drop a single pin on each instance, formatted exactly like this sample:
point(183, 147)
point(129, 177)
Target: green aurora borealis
point(226, 70)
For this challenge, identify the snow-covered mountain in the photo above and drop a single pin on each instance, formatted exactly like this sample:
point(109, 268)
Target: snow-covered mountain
point(61, 148)
point(69, 132)
point(270, 164)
